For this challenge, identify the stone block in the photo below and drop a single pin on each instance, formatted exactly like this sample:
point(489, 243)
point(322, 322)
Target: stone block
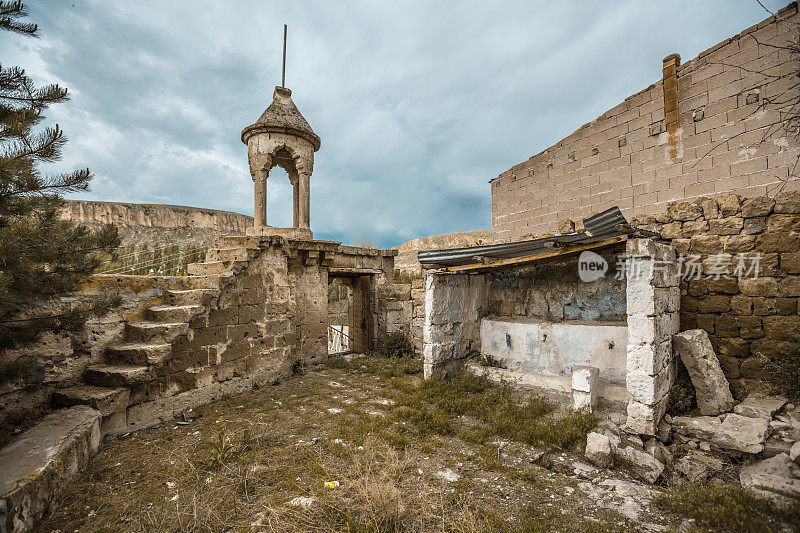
point(758, 286)
point(778, 242)
point(772, 478)
point(584, 387)
point(641, 464)
point(644, 419)
point(714, 303)
point(598, 449)
point(781, 327)
point(758, 405)
point(684, 211)
point(695, 350)
point(731, 432)
point(789, 286)
point(647, 389)
point(726, 226)
point(729, 204)
point(706, 244)
point(39, 462)
point(649, 359)
point(757, 207)
point(742, 305)
point(754, 226)
point(787, 202)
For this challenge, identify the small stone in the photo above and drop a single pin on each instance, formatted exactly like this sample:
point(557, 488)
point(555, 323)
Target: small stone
point(598, 449)
point(706, 447)
point(698, 466)
point(794, 452)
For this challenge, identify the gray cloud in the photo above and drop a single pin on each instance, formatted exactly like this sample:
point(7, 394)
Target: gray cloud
point(418, 104)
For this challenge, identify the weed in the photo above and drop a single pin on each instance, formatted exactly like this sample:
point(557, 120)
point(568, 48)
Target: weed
point(491, 361)
point(407, 276)
point(682, 397)
point(728, 507)
point(398, 345)
point(25, 367)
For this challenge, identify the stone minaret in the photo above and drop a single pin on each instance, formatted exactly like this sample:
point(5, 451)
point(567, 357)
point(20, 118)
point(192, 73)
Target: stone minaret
point(282, 137)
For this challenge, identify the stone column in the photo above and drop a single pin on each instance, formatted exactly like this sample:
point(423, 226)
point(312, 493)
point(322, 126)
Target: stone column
point(653, 305)
point(260, 213)
point(304, 201)
point(295, 203)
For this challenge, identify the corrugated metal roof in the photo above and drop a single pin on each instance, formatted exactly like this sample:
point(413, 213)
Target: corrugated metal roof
point(609, 223)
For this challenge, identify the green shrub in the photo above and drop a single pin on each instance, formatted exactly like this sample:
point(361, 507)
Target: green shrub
point(785, 373)
point(398, 345)
point(682, 397)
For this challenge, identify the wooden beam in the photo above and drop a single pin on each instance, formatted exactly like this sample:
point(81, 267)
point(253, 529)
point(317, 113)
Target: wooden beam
point(558, 252)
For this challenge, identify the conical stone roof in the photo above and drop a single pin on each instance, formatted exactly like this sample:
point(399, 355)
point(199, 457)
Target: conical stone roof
point(282, 116)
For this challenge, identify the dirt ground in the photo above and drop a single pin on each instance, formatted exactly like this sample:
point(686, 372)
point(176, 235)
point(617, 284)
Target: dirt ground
point(363, 445)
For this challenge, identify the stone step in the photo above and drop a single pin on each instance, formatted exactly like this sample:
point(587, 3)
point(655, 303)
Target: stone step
point(118, 375)
point(106, 400)
point(231, 254)
point(202, 282)
point(210, 268)
point(173, 313)
point(190, 296)
point(139, 353)
point(154, 331)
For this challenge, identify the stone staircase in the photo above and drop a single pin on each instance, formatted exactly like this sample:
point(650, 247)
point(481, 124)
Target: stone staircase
point(137, 362)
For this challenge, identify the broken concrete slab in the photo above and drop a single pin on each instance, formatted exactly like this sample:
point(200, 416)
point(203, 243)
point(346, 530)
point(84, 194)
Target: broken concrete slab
point(698, 466)
point(41, 459)
point(731, 432)
point(713, 392)
point(641, 464)
point(598, 449)
point(774, 478)
point(758, 405)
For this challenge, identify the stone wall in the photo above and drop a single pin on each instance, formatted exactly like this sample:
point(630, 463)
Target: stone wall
point(555, 292)
point(630, 157)
point(746, 319)
point(454, 305)
point(59, 360)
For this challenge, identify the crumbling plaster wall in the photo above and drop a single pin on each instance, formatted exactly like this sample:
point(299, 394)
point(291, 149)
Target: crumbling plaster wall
point(627, 158)
point(454, 305)
point(555, 292)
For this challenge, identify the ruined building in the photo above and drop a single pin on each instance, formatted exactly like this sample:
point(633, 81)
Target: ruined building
point(703, 165)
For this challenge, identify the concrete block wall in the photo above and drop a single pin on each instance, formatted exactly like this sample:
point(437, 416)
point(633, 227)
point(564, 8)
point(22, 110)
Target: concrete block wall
point(630, 157)
point(653, 303)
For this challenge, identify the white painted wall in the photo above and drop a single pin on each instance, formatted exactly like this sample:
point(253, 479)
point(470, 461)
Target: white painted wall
point(553, 348)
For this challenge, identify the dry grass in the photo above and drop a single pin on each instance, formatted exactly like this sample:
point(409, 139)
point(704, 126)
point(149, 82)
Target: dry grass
point(372, 425)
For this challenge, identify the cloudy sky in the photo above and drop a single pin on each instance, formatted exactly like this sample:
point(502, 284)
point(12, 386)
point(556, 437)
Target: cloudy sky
point(418, 104)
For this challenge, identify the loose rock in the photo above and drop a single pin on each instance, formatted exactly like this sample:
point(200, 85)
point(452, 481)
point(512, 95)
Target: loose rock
point(598, 449)
point(698, 466)
point(734, 432)
point(759, 406)
point(772, 478)
point(642, 465)
point(695, 350)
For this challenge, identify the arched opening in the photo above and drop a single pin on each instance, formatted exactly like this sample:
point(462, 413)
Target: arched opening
point(280, 203)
